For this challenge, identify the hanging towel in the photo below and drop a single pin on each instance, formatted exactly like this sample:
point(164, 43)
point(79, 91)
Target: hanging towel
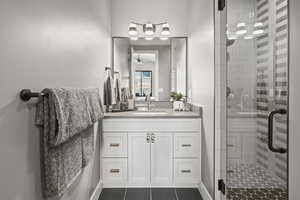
point(117, 89)
point(109, 93)
point(66, 118)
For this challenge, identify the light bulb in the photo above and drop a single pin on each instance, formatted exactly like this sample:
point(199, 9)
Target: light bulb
point(164, 38)
point(134, 38)
point(148, 38)
point(248, 37)
point(132, 30)
point(165, 29)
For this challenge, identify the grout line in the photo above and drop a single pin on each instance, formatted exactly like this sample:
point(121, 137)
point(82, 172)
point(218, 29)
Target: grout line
point(125, 194)
point(176, 194)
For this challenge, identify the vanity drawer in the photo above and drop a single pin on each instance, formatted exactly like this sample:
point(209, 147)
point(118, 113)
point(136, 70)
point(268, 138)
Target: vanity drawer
point(114, 171)
point(114, 145)
point(186, 171)
point(186, 145)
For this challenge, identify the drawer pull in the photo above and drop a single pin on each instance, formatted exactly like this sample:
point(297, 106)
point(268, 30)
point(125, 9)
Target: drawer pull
point(186, 145)
point(230, 145)
point(114, 144)
point(114, 170)
point(186, 171)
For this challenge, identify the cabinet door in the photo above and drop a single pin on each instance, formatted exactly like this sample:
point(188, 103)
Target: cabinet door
point(138, 160)
point(161, 159)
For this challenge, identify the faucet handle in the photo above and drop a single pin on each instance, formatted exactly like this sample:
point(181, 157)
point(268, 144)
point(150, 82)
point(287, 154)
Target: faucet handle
point(147, 97)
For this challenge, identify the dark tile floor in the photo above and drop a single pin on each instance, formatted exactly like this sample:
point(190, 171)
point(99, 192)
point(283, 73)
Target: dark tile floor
point(150, 194)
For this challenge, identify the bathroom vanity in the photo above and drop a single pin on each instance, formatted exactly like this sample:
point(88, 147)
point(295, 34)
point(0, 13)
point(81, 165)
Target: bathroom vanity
point(154, 148)
point(151, 149)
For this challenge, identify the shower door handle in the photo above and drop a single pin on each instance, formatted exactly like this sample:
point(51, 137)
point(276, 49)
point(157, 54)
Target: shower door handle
point(270, 130)
point(221, 5)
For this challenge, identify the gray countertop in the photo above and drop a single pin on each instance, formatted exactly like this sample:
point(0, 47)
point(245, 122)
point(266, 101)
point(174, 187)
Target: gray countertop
point(162, 113)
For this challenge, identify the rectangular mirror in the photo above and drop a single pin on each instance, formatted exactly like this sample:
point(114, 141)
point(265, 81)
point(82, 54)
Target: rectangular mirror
point(156, 67)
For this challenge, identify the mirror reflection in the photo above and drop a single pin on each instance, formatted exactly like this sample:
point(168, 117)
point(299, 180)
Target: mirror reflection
point(151, 68)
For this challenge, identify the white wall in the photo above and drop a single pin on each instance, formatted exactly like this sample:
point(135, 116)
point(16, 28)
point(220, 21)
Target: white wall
point(201, 78)
point(155, 11)
point(294, 109)
point(45, 44)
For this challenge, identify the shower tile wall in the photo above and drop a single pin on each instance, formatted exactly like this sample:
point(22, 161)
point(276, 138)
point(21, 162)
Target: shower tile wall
point(271, 82)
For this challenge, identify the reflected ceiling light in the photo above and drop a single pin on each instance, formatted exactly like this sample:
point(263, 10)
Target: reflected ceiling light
point(241, 28)
point(149, 29)
point(258, 28)
point(132, 30)
point(165, 29)
point(134, 38)
point(232, 37)
point(139, 60)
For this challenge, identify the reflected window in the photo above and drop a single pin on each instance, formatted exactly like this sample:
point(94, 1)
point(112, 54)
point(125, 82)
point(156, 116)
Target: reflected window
point(143, 83)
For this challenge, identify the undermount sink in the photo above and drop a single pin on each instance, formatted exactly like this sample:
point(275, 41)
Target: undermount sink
point(150, 113)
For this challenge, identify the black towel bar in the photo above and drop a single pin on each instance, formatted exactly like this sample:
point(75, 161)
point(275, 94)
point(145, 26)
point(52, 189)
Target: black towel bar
point(26, 94)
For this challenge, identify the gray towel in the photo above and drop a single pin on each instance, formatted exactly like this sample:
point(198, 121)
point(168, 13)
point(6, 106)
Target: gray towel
point(109, 92)
point(66, 118)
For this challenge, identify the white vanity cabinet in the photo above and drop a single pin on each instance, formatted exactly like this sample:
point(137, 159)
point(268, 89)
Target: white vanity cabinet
point(157, 152)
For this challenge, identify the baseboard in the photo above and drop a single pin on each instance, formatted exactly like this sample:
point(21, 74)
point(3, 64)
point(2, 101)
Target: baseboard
point(97, 191)
point(204, 193)
point(148, 186)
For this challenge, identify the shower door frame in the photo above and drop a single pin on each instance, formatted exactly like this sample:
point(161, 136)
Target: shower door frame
point(221, 151)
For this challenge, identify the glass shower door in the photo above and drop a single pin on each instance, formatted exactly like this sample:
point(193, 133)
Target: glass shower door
point(257, 99)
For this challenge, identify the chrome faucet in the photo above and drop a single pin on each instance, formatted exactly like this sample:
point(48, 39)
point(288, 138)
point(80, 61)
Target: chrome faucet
point(148, 100)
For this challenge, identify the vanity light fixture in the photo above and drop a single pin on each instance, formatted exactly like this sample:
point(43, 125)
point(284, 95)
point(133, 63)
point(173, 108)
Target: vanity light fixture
point(149, 30)
point(241, 28)
point(258, 28)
